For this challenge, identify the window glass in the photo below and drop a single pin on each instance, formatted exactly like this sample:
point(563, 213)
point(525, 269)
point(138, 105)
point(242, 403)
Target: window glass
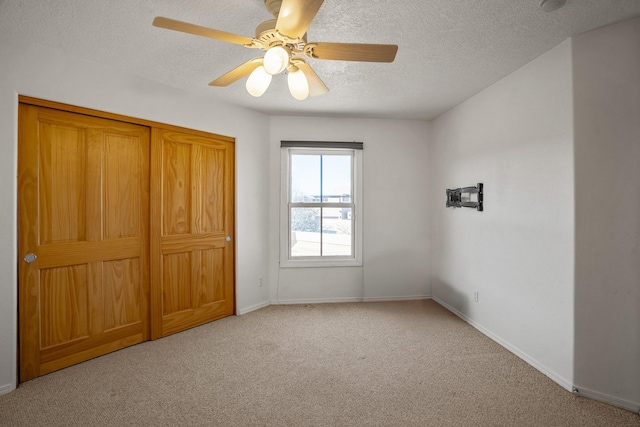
point(336, 232)
point(319, 209)
point(305, 232)
point(305, 177)
point(336, 178)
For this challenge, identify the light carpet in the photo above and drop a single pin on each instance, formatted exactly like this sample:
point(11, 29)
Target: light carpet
point(409, 363)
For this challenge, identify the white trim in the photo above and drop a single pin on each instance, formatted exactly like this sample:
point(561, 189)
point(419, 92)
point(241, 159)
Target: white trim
point(246, 310)
point(320, 262)
point(349, 299)
point(13, 368)
point(559, 379)
point(7, 388)
point(606, 398)
point(405, 298)
point(316, 301)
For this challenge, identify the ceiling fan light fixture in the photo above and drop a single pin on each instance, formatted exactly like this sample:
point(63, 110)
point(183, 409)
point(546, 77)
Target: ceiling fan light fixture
point(284, 43)
point(298, 84)
point(276, 60)
point(258, 82)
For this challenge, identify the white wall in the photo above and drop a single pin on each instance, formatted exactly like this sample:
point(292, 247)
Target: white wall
point(606, 71)
point(516, 138)
point(47, 74)
point(396, 213)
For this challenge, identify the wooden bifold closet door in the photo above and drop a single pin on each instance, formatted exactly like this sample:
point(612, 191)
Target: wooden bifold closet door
point(86, 190)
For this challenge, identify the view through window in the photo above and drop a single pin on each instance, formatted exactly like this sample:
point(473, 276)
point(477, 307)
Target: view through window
point(321, 205)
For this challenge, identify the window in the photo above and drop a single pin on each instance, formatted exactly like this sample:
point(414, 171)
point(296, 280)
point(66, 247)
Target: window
point(321, 204)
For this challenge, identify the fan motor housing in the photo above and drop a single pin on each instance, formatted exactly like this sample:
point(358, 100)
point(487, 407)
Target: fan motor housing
point(267, 36)
point(273, 6)
point(264, 29)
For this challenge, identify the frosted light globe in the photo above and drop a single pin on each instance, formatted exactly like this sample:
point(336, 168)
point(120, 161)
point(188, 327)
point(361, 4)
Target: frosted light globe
point(276, 60)
point(258, 82)
point(298, 85)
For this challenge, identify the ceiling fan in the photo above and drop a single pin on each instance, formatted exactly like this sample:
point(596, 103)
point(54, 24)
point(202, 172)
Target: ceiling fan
point(285, 41)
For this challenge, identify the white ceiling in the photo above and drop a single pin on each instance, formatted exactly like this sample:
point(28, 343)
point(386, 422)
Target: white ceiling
point(448, 49)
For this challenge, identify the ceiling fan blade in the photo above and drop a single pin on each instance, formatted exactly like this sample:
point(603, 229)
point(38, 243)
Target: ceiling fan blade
point(237, 73)
point(352, 51)
point(185, 27)
point(316, 85)
point(295, 16)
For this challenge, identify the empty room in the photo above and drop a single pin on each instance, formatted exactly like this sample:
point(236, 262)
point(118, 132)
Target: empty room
point(319, 212)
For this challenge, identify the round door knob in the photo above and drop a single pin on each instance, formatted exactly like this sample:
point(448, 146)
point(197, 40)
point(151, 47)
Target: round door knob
point(228, 238)
point(30, 257)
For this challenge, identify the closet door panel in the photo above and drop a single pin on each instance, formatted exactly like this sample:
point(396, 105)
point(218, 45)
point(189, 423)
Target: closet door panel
point(192, 230)
point(83, 224)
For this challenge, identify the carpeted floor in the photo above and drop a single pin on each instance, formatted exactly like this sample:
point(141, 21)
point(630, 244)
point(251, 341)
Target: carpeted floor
point(353, 364)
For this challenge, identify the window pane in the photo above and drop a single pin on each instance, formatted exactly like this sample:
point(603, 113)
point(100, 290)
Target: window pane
point(305, 232)
point(336, 231)
point(336, 178)
point(305, 178)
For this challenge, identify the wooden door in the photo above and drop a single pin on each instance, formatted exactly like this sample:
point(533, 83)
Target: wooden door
point(83, 211)
point(192, 237)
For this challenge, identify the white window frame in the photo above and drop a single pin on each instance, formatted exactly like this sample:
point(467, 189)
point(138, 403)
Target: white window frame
point(356, 214)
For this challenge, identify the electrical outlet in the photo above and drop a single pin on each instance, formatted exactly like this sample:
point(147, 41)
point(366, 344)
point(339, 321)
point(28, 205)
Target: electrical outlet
point(260, 282)
point(475, 296)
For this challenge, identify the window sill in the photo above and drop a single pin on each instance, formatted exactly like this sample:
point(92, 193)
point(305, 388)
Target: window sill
point(320, 263)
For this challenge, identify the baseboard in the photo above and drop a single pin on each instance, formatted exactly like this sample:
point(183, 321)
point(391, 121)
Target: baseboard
point(407, 298)
point(611, 400)
point(315, 301)
point(246, 310)
point(348, 299)
point(560, 380)
point(7, 388)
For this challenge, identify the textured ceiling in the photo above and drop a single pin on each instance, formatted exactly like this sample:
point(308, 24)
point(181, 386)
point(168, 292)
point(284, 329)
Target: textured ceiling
point(448, 49)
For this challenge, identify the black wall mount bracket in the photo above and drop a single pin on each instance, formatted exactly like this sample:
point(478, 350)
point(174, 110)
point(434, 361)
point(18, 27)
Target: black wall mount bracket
point(454, 197)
